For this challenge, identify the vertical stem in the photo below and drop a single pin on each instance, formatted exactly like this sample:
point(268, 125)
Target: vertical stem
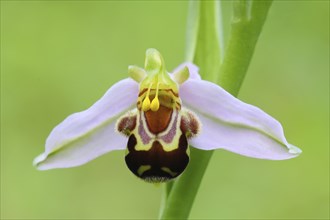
point(246, 26)
point(166, 188)
point(184, 190)
point(249, 17)
point(207, 48)
point(204, 36)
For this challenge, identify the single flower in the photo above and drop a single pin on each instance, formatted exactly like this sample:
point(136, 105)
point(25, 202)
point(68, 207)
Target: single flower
point(158, 113)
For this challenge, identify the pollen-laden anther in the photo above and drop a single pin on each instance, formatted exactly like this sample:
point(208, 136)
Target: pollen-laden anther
point(159, 128)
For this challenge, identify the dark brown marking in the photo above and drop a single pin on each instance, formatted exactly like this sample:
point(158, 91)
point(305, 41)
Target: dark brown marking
point(131, 143)
point(159, 120)
point(175, 160)
point(183, 143)
point(126, 124)
point(170, 90)
point(154, 90)
point(143, 91)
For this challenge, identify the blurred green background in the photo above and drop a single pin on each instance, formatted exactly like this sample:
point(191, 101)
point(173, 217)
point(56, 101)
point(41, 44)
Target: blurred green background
point(59, 57)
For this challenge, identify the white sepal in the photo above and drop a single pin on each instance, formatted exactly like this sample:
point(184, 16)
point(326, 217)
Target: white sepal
point(231, 124)
point(85, 135)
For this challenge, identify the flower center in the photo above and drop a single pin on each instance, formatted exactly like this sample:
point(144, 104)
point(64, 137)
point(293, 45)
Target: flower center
point(156, 86)
point(154, 105)
point(157, 148)
point(151, 99)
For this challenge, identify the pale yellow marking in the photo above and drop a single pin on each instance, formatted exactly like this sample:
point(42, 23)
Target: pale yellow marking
point(167, 170)
point(143, 147)
point(188, 151)
point(171, 146)
point(142, 169)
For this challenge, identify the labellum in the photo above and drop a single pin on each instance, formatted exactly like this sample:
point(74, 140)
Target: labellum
point(158, 130)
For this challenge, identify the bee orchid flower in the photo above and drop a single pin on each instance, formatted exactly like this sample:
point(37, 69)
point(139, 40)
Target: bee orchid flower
point(155, 116)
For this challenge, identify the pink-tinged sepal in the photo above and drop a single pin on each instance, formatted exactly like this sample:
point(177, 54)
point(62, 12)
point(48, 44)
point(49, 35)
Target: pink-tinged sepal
point(233, 125)
point(86, 135)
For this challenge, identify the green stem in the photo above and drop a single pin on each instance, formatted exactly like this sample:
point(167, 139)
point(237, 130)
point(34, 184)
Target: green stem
point(203, 37)
point(204, 48)
point(167, 187)
point(182, 195)
point(246, 26)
